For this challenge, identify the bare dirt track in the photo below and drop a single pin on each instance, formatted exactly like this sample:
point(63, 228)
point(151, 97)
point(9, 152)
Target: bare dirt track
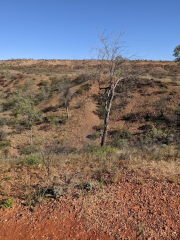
point(131, 209)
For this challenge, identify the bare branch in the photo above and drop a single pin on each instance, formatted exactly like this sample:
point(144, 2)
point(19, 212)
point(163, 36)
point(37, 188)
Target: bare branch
point(110, 55)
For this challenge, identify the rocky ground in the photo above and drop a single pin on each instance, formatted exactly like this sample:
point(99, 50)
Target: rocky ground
point(130, 209)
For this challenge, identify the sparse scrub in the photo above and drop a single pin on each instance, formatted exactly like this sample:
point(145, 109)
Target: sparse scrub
point(4, 193)
point(79, 91)
point(44, 83)
point(20, 128)
point(98, 151)
point(3, 121)
point(55, 120)
point(2, 135)
point(34, 197)
point(44, 95)
point(27, 150)
point(95, 135)
point(5, 143)
point(120, 137)
point(81, 79)
point(20, 76)
point(101, 110)
point(8, 203)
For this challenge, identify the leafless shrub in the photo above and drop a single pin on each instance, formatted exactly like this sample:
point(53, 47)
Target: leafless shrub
point(2, 135)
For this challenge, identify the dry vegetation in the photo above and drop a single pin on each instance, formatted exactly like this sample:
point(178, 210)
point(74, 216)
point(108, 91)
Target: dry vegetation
point(51, 123)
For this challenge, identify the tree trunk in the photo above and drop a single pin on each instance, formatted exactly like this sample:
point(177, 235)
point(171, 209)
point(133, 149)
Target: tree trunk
point(67, 112)
point(107, 109)
point(31, 139)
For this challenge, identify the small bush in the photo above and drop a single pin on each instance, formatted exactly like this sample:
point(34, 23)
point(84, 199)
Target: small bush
point(2, 135)
point(101, 110)
point(129, 117)
point(100, 127)
point(79, 91)
point(121, 134)
point(57, 82)
point(4, 193)
point(3, 121)
point(32, 159)
point(99, 151)
point(13, 78)
point(120, 143)
point(44, 83)
point(8, 203)
point(55, 120)
point(94, 136)
point(34, 198)
point(20, 76)
point(19, 128)
point(81, 79)
point(9, 104)
point(5, 143)
point(27, 150)
point(120, 138)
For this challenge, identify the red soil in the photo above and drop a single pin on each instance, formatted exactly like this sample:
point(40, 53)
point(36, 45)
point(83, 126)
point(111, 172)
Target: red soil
point(131, 209)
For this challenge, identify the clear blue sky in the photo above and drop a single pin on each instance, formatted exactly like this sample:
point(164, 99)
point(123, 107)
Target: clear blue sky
point(66, 29)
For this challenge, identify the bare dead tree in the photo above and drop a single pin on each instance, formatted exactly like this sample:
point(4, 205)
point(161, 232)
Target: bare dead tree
point(110, 63)
point(47, 155)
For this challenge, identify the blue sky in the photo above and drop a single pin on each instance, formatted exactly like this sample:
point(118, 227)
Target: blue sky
point(66, 29)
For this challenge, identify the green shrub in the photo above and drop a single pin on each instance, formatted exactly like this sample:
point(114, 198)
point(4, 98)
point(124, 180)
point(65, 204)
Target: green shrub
point(120, 143)
point(120, 138)
point(5, 143)
point(44, 83)
point(27, 150)
point(7, 178)
point(8, 203)
point(19, 128)
point(13, 78)
point(32, 159)
point(128, 117)
point(101, 110)
point(79, 91)
point(81, 79)
point(87, 86)
point(45, 93)
point(8, 104)
point(4, 193)
point(158, 133)
point(54, 120)
point(56, 81)
point(3, 121)
point(98, 151)
point(95, 135)
point(62, 120)
point(34, 198)
point(100, 127)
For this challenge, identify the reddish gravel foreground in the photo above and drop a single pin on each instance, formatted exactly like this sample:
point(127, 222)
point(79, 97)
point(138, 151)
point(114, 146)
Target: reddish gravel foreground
point(127, 210)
